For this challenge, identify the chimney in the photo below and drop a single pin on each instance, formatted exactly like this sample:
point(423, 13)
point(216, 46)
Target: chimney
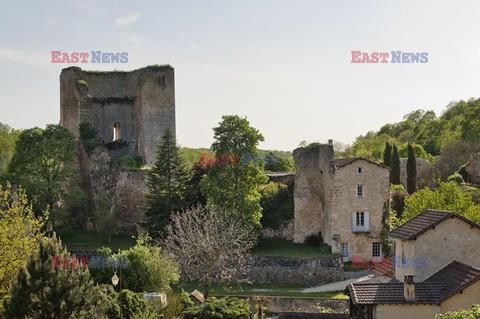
point(409, 288)
point(330, 142)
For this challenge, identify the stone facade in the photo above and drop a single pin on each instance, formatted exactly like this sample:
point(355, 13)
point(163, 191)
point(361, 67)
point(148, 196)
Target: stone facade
point(308, 271)
point(473, 170)
point(441, 246)
point(130, 110)
point(332, 196)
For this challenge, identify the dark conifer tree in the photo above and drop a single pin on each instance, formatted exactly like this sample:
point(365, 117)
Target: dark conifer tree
point(395, 168)
point(61, 292)
point(387, 155)
point(411, 171)
point(166, 182)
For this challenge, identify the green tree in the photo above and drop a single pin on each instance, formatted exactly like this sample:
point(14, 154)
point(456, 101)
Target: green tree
point(226, 308)
point(277, 204)
point(395, 172)
point(8, 139)
point(275, 163)
point(448, 196)
point(235, 187)
point(387, 155)
point(472, 313)
point(167, 183)
point(411, 171)
point(194, 194)
point(43, 291)
point(149, 268)
point(20, 232)
point(44, 164)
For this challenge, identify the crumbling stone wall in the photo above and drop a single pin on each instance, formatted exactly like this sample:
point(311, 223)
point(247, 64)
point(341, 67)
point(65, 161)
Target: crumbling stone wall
point(312, 192)
point(124, 190)
point(141, 101)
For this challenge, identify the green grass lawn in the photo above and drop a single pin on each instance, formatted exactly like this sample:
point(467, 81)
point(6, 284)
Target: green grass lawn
point(260, 290)
point(83, 240)
point(286, 248)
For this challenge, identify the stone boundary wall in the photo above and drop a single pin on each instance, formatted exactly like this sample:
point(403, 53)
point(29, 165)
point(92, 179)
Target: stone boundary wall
point(308, 271)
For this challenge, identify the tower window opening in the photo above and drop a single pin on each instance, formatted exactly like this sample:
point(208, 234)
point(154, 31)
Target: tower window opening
point(116, 132)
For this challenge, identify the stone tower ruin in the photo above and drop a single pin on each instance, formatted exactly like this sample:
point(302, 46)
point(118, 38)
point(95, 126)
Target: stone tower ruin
point(130, 110)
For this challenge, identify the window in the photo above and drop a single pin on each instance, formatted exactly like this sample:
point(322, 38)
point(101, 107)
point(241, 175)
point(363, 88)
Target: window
point(360, 222)
point(161, 80)
point(116, 132)
point(359, 170)
point(376, 249)
point(359, 191)
point(344, 248)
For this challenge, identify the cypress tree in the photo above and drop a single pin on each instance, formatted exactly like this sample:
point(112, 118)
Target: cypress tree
point(44, 291)
point(387, 155)
point(411, 171)
point(167, 183)
point(395, 172)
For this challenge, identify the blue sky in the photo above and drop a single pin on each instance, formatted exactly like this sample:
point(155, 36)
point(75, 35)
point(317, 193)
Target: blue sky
point(285, 65)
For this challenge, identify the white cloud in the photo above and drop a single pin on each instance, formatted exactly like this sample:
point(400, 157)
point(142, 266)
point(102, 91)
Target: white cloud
point(123, 21)
point(31, 57)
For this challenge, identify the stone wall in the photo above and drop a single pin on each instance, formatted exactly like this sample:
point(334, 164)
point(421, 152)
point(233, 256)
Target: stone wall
point(375, 182)
point(141, 101)
point(473, 170)
point(107, 185)
point(312, 194)
point(309, 271)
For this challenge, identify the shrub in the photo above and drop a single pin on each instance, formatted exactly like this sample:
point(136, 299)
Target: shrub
point(314, 240)
point(130, 162)
point(88, 135)
point(277, 204)
point(226, 308)
point(457, 178)
point(397, 196)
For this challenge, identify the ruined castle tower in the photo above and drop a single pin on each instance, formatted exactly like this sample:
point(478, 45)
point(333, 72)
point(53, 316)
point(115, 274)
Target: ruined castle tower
point(130, 110)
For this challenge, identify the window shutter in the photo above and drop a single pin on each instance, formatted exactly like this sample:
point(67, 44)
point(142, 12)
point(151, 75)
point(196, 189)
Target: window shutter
point(354, 221)
point(367, 222)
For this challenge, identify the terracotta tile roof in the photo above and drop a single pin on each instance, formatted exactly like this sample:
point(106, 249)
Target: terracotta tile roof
point(341, 162)
point(456, 276)
point(423, 222)
point(385, 268)
point(392, 293)
point(434, 290)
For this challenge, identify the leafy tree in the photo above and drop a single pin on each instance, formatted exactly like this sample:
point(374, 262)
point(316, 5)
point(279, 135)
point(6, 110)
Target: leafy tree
point(397, 199)
point(387, 155)
point(44, 163)
point(395, 171)
point(472, 313)
point(8, 139)
point(277, 204)
point(277, 163)
point(194, 194)
point(448, 196)
point(209, 245)
point(20, 232)
point(43, 291)
point(149, 268)
point(411, 171)
point(167, 182)
point(105, 222)
point(235, 187)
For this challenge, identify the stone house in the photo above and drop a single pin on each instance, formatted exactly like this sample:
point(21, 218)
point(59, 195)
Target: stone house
point(341, 199)
point(437, 269)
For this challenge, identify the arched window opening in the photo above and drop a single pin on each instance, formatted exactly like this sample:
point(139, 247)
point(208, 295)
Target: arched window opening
point(116, 132)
